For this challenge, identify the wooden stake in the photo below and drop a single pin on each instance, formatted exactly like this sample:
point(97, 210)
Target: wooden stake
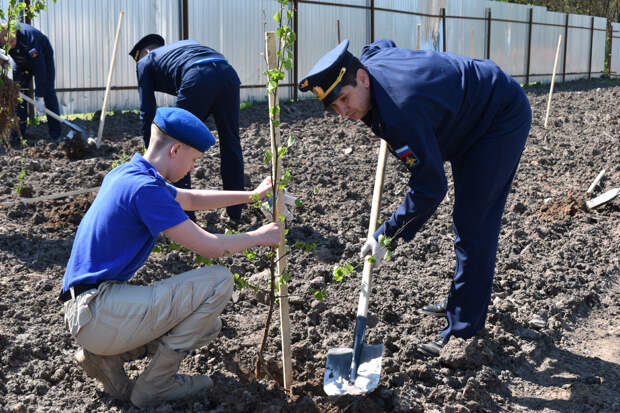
point(107, 87)
point(285, 324)
point(417, 40)
point(555, 66)
point(471, 44)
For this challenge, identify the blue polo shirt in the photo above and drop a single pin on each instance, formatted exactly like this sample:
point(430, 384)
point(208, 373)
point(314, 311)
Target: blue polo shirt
point(119, 230)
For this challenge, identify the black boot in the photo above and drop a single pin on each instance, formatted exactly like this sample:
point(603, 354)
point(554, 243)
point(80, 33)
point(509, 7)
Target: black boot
point(433, 348)
point(438, 310)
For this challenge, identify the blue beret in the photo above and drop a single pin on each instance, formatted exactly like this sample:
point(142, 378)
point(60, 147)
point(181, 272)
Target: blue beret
point(147, 40)
point(325, 77)
point(184, 127)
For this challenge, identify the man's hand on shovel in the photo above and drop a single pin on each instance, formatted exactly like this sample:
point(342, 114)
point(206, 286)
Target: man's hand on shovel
point(372, 247)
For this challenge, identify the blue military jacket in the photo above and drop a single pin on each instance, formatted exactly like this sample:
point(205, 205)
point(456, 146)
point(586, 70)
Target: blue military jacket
point(429, 107)
point(162, 70)
point(31, 55)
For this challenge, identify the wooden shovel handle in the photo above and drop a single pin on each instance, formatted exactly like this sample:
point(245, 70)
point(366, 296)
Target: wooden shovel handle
point(362, 307)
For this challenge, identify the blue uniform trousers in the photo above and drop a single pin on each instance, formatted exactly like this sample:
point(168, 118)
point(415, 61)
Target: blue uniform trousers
point(213, 88)
point(482, 180)
point(50, 99)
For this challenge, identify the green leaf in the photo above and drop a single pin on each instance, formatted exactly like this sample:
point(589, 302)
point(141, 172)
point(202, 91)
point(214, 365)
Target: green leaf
point(338, 274)
point(281, 151)
point(277, 17)
point(250, 255)
point(319, 294)
point(299, 203)
point(315, 190)
point(200, 260)
point(268, 156)
point(372, 260)
point(285, 278)
point(290, 141)
point(384, 241)
point(285, 179)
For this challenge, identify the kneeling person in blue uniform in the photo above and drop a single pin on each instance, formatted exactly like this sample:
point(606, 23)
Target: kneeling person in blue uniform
point(430, 108)
point(33, 56)
point(113, 321)
point(204, 84)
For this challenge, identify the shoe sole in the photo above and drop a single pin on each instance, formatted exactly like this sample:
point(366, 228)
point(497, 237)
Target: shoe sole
point(433, 313)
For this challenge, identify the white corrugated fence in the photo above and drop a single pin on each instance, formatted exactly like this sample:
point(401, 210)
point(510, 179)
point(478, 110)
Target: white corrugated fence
point(82, 34)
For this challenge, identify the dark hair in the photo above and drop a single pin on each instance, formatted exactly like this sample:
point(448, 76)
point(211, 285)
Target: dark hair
point(349, 78)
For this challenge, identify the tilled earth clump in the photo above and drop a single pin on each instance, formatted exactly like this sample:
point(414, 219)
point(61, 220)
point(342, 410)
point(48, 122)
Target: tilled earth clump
point(557, 261)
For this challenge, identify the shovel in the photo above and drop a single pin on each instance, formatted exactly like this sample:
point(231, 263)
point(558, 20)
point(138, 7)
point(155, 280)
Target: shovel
point(74, 130)
point(357, 370)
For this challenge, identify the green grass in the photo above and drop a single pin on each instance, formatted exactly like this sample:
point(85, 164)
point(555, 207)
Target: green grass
point(245, 105)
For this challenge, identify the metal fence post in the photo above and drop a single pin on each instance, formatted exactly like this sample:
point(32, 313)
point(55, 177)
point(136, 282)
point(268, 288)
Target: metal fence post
point(529, 47)
point(185, 21)
point(488, 54)
point(591, 44)
point(295, 55)
point(611, 48)
point(443, 21)
point(565, 48)
point(372, 21)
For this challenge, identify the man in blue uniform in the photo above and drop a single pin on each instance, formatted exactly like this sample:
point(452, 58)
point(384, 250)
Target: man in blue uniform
point(113, 321)
point(33, 56)
point(204, 83)
point(434, 107)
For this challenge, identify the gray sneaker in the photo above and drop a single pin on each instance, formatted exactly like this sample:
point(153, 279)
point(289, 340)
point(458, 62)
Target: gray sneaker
point(108, 370)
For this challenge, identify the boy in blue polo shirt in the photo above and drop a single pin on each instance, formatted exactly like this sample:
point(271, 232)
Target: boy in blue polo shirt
point(113, 321)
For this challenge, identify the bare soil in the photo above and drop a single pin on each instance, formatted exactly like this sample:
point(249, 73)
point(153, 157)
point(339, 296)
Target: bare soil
point(552, 338)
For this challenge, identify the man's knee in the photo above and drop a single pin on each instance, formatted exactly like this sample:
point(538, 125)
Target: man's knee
point(223, 279)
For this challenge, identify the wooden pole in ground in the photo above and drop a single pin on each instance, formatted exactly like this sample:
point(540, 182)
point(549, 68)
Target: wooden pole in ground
point(555, 66)
point(417, 40)
point(107, 87)
point(276, 164)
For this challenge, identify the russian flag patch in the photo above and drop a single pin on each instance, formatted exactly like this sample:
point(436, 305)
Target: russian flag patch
point(404, 152)
point(33, 52)
point(407, 156)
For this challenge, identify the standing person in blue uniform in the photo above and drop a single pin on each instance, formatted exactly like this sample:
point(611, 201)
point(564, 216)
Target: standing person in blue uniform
point(204, 83)
point(33, 56)
point(433, 107)
point(113, 321)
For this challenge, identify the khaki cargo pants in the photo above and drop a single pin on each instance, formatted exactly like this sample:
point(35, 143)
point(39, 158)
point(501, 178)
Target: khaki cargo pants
point(181, 311)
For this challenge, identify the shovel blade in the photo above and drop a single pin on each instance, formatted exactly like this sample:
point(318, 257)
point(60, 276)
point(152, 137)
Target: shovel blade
point(338, 370)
